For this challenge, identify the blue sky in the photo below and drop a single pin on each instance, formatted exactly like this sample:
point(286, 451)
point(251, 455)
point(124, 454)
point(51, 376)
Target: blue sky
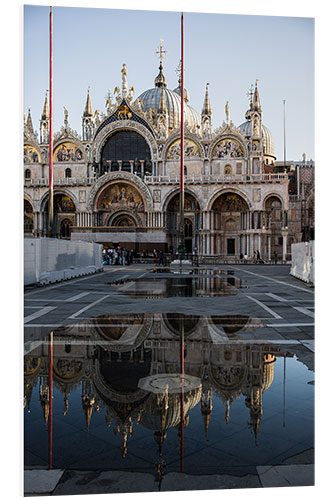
point(228, 51)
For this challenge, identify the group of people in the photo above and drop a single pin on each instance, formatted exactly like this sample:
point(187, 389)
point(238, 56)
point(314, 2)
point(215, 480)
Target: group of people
point(117, 256)
point(257, 259)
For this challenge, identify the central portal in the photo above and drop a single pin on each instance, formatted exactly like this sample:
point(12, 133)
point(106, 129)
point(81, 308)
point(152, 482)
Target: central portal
point(231, 246)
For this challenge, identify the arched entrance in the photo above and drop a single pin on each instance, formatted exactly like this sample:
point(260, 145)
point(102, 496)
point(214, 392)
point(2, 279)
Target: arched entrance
point(123, 220)
point(28, 218)
point(120, 204)
point(63, 215)
point(127, 151)
point(191, 222)
point(229, 214)
point(274, 216)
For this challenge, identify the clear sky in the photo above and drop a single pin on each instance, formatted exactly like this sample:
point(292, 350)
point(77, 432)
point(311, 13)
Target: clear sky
point(228, 51)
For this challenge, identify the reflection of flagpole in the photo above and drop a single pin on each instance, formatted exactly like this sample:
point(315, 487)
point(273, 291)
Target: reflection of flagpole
point(50, 221)
point(182, 371)
point(51, 397)
point(284, 390)
point(181, 194)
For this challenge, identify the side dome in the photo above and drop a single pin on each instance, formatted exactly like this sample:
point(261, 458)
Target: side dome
point(267, 137)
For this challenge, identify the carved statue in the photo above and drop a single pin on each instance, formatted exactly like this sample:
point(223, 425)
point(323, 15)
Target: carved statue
point(66, 116)
point(96, 117)
point(108, 102)
point(124, 78)
point(131, 92)
point(227, 112)
point(117, 92)
point(139, 104)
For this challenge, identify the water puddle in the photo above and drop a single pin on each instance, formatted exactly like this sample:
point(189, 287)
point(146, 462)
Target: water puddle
point(180, 286)
point(131, 390)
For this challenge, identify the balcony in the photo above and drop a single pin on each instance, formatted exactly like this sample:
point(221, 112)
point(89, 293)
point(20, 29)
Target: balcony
point(225, 179)
point(68, 181)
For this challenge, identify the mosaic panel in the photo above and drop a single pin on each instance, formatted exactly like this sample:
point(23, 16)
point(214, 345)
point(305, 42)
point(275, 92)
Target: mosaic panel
point(228, 148)
point(191, 149)
point(67, 151)
point(31, 155)
point(121, 196)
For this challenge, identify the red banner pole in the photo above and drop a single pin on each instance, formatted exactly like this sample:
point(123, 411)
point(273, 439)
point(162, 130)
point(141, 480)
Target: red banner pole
point(181, 198)
point(50, 221)
point(51, 399)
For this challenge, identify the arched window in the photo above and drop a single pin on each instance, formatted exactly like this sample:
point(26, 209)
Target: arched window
point(27, 174)
point(127, 146)
point(68, 173)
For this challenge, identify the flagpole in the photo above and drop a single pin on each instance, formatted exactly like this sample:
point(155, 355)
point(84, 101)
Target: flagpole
point(50, 221)
point(181, 194)
point(284, 134)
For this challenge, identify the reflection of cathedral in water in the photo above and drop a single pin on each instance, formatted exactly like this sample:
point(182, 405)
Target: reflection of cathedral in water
point(109, 356)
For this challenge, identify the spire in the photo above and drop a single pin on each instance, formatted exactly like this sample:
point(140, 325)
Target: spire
point(227, 411)
point(88, 109)
point(162, 109)
point(256, 101)
point(46, 112)
point(206, 109)
point(29, 126)
point(206, 409)
point(87, 406)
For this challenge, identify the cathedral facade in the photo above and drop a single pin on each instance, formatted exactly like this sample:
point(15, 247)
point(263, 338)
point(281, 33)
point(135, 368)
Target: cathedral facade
point(118, 183)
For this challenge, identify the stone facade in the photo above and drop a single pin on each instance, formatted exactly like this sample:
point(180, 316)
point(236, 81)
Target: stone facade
point(119, 182)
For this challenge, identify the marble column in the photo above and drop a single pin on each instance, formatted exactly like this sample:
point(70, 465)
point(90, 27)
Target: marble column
point(269, 237)
point(284, 233)
point(132, 166)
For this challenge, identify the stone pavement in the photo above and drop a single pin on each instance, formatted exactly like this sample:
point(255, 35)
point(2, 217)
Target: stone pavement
point(59, 482)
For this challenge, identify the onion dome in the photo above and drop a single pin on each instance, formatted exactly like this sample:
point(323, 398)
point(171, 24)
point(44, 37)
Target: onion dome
point(267, 138)
point(151, 99)
point(160, 80)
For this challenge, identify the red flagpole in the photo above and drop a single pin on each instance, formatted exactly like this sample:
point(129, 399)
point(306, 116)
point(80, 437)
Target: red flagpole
point(181, 198)
point(50, 221)
point(51, 399)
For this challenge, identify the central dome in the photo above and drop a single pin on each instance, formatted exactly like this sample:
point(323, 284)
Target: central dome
point(150, 100)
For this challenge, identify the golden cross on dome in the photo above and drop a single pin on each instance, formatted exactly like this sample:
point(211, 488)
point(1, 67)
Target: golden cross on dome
point(160, 52)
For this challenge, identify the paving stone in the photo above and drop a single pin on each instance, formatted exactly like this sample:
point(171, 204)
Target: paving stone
point(38, 481)
point(96, 482)
point(176, 481)
point(286, 475)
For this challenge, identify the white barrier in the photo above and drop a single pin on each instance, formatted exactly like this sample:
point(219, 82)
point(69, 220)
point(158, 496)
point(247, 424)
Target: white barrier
point(47, 260)
point(302, 261)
